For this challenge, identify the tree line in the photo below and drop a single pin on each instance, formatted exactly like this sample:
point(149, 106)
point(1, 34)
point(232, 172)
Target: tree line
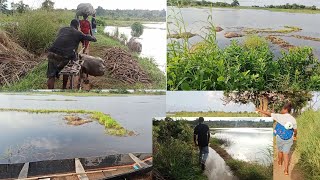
point(156, 15)
point(202, 3)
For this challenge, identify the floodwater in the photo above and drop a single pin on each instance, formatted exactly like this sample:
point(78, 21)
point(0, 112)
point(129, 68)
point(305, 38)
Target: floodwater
point(271, 2)
point(233, 20)
point(248, 144)
point(35, 137)
point(216, 168)
point(153, 40)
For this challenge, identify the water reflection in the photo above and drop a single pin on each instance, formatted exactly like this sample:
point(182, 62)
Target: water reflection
point(34, 137)
point(235, 19)
point(247, 144)
point(216, 168)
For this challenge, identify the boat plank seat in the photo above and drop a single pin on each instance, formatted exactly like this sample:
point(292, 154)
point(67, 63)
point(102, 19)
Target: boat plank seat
point(24, 171)
point(138, 161)
point(80, 169)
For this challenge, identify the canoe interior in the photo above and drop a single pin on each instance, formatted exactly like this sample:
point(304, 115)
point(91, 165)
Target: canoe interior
point(113, 164)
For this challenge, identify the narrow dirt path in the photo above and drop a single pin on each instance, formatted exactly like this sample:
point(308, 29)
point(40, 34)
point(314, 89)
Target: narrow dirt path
point(294, 172)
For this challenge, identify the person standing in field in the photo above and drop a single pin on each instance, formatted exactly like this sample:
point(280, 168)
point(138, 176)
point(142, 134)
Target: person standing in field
point(94, 24)
point(201, 139)
point(286, 132)
point(63, 50)
point(86, 29)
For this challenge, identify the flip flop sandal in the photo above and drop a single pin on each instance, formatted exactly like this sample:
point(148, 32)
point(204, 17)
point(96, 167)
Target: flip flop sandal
point(286, 173)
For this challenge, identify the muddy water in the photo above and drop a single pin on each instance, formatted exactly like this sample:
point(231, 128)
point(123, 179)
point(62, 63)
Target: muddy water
point(247, 144)
point(272, 2)
point(48, 137)
point(216, 168)
point(153, 41)
point(232, 20)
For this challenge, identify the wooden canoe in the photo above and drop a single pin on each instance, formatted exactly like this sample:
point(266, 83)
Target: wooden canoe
point(118, 166)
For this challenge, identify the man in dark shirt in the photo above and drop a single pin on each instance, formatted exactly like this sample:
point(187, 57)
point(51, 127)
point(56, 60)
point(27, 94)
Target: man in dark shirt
point(94, 24)
point(63, 50)
point(201, 138)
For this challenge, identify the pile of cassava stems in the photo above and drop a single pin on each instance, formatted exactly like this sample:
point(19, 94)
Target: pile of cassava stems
point(121, 65)
point(15, 61)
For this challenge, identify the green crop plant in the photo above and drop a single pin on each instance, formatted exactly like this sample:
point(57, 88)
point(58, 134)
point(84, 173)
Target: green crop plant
point(247, 65)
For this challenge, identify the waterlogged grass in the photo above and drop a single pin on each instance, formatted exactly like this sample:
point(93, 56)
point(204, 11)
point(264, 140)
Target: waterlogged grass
point(308, 144)
point(212, 114)
point(111, 125)
point(287, 29)
point(250, 65)
point(181, 35)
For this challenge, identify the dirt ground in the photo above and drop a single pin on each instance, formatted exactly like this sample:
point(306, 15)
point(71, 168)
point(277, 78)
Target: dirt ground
point(294, 172)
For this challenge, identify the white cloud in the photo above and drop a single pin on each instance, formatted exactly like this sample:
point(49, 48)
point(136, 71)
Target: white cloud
point(106, 4)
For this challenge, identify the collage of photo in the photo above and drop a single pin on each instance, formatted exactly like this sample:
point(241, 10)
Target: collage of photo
point(161, 89)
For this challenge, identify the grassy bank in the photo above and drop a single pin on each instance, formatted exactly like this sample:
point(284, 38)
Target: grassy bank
point(243, 170)
point(308, 144)
point(111, 125)
point(212, 114)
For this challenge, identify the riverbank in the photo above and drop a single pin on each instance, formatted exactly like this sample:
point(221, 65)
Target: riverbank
point(243, 170)
point(212, 114)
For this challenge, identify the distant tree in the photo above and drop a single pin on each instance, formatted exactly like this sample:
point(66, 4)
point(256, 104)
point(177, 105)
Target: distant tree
point(136, 29)
point(19, 7)
point(3, 6)
point(47, 5)
point(100, 11)
point(235, 3)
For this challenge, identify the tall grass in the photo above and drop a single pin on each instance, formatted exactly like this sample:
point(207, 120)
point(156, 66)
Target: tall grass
point(239, 66)
point(36, 30)
point(308, 143)
point(175, 157)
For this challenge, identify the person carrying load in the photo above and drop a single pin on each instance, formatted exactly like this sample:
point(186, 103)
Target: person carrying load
point(86, 29)
point(285, 132)
point(63, 50)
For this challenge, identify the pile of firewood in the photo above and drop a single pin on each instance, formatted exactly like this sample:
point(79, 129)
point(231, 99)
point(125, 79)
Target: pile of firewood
point(15, 61)
point(121, 65)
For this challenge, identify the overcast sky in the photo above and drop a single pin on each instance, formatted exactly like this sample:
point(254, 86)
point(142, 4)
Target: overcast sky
point(106, 4)
point(194, 101)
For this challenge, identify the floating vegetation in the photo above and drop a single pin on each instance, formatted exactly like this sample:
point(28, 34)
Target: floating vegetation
point(185, 35)
point(232, 35)
point(287, 29)
point(279, 41)
point(306, 37)
point(218, 29)
point(111, 125)
point(75, 120)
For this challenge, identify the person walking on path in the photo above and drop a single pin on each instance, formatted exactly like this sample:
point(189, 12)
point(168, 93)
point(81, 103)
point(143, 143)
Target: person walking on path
point(286, 132)
point(63, 50)
point(201, 139)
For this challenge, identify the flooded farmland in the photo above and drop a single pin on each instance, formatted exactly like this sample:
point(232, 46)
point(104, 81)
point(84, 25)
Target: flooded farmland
point(239, 20)
point(28, 137)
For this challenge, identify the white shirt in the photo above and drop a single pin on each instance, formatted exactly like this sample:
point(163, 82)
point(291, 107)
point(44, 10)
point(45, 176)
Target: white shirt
point(284, 118)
